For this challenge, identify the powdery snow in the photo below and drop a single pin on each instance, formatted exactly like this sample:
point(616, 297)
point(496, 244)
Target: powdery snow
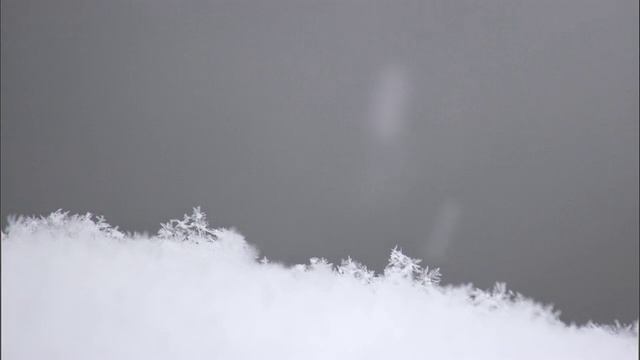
point(76, 288)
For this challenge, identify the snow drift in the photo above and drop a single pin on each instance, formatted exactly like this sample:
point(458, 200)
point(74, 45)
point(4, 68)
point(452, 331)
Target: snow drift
point(73, 287)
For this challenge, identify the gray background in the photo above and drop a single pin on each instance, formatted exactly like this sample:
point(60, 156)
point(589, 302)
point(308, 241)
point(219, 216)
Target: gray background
point(495, 139)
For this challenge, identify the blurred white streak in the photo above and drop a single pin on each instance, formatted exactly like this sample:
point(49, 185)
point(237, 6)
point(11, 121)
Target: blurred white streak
point(440, 238)
point(386, 123)
point(389, 104)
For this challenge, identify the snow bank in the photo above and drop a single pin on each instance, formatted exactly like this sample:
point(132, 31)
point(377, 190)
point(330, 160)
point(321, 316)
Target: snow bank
point(76, 288)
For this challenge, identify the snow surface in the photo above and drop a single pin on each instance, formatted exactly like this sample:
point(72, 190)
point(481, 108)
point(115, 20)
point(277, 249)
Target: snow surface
point(75, 288)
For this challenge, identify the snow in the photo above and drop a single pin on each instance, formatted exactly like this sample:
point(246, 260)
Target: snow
point(75, 288)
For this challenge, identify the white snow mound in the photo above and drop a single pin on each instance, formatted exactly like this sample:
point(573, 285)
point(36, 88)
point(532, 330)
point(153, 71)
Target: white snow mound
point(76, 288)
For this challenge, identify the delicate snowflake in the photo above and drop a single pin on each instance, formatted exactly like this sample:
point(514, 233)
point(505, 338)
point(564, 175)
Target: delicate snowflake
point(192, 228)
point(353, 268)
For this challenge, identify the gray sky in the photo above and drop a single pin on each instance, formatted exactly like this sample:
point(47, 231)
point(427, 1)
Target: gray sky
point(496, 139)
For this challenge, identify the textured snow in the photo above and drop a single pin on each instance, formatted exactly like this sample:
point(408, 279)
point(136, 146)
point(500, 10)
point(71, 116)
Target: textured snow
point(76, 288)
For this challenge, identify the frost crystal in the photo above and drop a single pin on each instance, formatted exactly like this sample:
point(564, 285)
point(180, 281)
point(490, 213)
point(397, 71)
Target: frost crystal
point(60, 223)
point(402, 267)
point(354, 269)
point(193, 228)
point(320, 264)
